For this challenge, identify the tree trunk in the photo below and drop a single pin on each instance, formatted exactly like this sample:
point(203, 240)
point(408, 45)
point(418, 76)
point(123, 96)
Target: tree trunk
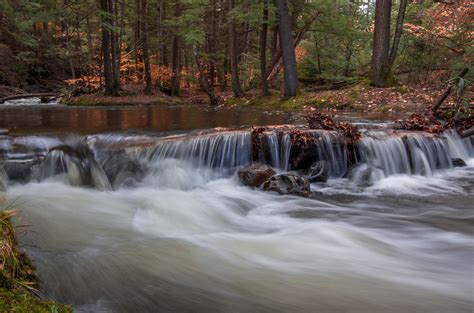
point(203, 79)
point(176, 60)
point(159, 28)
point(318, 57)
point(398, 32)
point(348, 55)
point(276, 62)
point(138, 36)
point(108, 77)
point(234, 67)
point(89, 47)
point(380, 66)
point(114, 47)
point(146, 58)
point(263, 50)
point(120, 40)
point(288, 51)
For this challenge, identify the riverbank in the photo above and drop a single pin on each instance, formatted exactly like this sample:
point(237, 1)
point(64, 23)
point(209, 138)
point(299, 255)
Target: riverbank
point(99, 100)
point(18, 280)
point(357, 98)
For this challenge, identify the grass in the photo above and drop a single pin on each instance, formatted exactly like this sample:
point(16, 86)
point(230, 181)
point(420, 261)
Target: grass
point(18, 280)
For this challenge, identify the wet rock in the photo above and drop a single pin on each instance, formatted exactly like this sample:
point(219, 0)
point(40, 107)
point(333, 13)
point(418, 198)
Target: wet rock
point(318, 172)
point(457, 162)
point(302, 158)
point(255, 174)
point(288, 184)
point(122, 169)
point(3, 131)
point(77, 164)
point(21, 170)
point(365, 175)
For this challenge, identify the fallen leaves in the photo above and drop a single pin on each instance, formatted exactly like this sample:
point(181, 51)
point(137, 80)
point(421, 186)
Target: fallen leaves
point(319, 120)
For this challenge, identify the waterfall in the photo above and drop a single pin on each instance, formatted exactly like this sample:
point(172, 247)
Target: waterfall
point(111, 161)
point(383, 154)
point(333, 149)
point(458, 147)
point(225, 151)
point(3, 179)
point(75, 167)
point(285, 150)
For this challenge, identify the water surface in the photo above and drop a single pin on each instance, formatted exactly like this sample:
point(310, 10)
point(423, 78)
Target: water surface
point(175, 231)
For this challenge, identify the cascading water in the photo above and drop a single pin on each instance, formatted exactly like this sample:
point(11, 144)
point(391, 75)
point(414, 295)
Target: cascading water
point(391, 230)
point(105, 161)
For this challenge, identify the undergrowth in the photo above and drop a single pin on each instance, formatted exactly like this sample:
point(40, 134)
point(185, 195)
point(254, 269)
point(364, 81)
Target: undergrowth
point(18, 281)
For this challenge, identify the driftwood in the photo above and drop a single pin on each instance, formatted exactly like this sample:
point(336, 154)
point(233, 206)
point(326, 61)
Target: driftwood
point(447, 92)
point(334, 86)
point(467, 133)
point(8, 91)
point(30, 95)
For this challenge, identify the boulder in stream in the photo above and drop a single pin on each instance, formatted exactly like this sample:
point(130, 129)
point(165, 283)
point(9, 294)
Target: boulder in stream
point(318, 172)
point(288, 184)
point(255, 175)
point(457, 162)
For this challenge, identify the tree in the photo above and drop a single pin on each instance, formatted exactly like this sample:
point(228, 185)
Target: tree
point(287, 50)
point(263, 50)
point(106, 59)
point(398, 32)
point(380, 65)
point(234, 66)
point(144, 33)
point(114, 45)
point(176, 59)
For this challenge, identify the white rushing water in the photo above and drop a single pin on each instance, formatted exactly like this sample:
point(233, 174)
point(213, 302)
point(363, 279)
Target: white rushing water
point(188, 237)
point(34, 101)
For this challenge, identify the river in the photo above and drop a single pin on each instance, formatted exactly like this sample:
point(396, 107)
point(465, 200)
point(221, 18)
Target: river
point(167, 227)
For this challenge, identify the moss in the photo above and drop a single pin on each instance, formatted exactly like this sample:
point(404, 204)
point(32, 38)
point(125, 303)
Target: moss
point(95, 100)
point(17, 276)
point(22, 301)
point(276, 102)
point(403, 89)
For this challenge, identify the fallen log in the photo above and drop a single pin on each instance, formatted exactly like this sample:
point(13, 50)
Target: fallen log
point(447, 92)
point(8, 91)
point(334, 86)
point(467, 133)
point(29, 95)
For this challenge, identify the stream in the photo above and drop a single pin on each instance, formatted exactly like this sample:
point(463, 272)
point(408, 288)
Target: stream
point(141, 210)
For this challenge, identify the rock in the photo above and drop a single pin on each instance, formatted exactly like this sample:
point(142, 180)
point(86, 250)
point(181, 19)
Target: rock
point(255, 174)
point(288, 184)
point(366, 175)
point(302, 157)
point(457, 162)
point(3, 131)
point(318, 172)
point(21, 170)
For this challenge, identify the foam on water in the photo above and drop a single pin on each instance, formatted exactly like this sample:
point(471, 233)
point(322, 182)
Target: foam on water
point(186, 236)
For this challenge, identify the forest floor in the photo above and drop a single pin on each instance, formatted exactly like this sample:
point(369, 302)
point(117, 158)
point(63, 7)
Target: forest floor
point(358, 98)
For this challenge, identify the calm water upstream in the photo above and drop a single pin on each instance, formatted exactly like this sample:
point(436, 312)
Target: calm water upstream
point(167, 226)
